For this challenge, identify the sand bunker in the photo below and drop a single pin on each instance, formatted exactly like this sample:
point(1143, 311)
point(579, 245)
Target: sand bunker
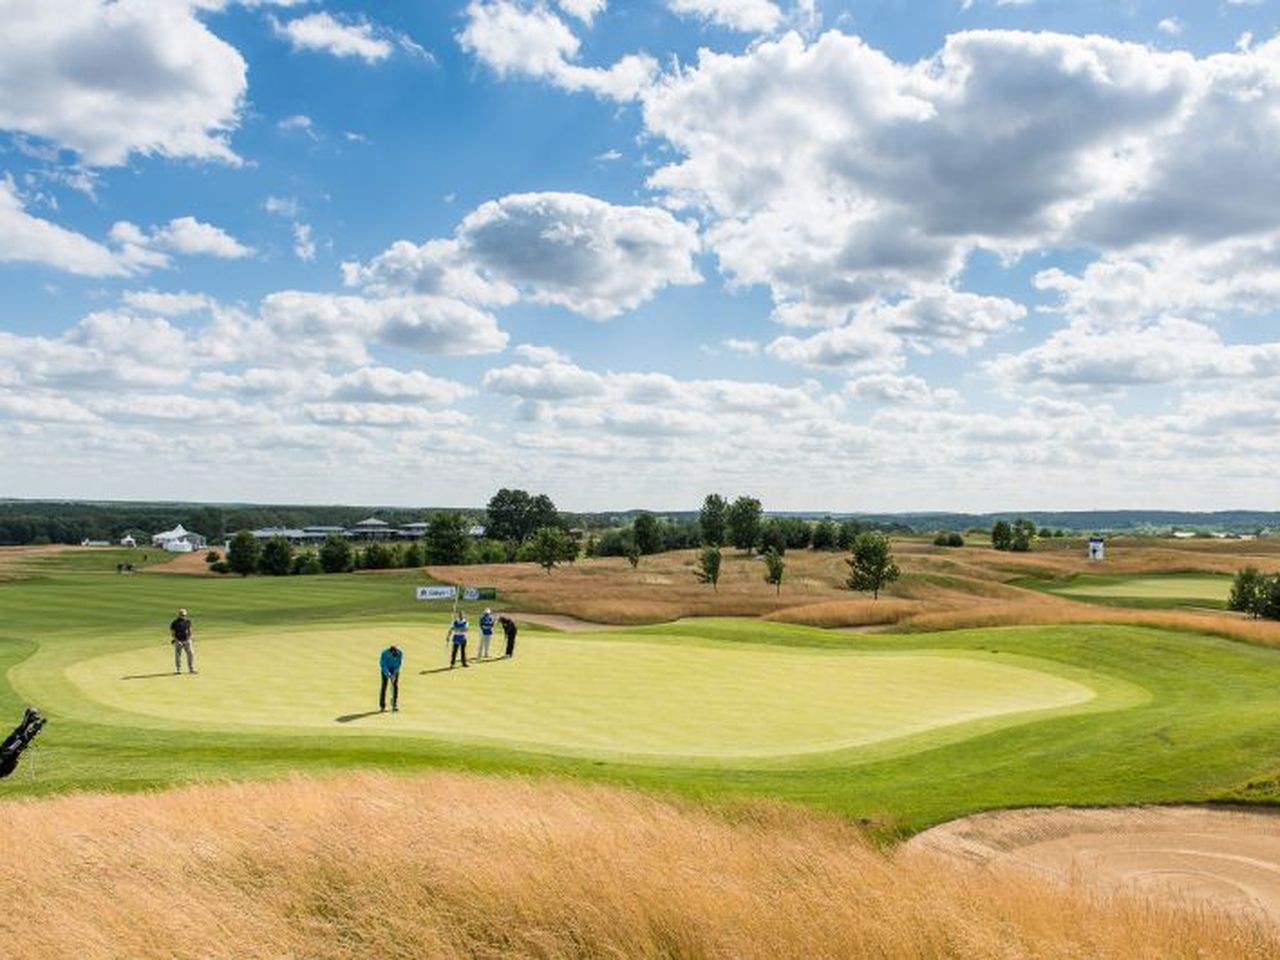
point(1223, 858)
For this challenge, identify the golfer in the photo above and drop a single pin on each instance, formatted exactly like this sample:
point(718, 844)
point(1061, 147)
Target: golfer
point(390, 662)
point(509, 630)
point(180, 632)
point(459, 633)
point(486, 634)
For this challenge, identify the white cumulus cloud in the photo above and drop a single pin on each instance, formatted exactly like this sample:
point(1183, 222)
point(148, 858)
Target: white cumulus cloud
point(110, 78)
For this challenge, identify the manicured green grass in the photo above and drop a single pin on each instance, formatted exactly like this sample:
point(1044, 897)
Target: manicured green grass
point(1150, 591)
point(665, 697)
point(1177, 716)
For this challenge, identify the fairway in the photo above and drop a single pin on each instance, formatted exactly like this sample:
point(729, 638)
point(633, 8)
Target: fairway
point(1186, 588)
point(679, 697)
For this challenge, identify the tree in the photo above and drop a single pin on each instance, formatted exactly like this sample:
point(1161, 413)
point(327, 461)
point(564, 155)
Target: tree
point(846, 533)
point(412, 556)
point(711, 518)
point(948, 538)
point(243, 554)
point(647, 533)
point(542, 513)
point(276, 559)
point(548, 547)
point(742, 523)
point(335, 555)
point(1269, 599)
point(871, 566)
point(1248, 592)
point(306, 563)
point(378, 556)
point(798, 533)
point(824, 534)
point(708, 568)
point(507, 515)
point(1002, 535)
point(446, 540)
point(514, 515)
point(773, 536)
point(774, 566)
point(632, 553)
point(1024, 531)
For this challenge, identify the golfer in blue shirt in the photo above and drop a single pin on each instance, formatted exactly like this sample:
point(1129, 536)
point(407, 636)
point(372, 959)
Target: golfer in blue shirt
point(459, 633)
point(486, 634)
point(390, 662)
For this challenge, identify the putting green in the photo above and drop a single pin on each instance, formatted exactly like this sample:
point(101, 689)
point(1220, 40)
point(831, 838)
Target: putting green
point(1168, 587)
point(674, 697)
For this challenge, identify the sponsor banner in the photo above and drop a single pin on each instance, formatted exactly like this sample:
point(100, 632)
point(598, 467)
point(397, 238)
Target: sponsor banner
point(436, 593)
point(479, 593)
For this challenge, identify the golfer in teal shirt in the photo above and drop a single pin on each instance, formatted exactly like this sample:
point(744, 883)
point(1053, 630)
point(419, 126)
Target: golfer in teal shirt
point(390, 662)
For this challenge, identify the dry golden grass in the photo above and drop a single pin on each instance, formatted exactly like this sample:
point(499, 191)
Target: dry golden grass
point(940, 589)
point(1049, 610)
point(847, 613)
point(461, 866)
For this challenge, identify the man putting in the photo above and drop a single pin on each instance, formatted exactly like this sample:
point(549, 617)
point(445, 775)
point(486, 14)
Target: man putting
point(458, 631)
point(509, 631)
point(390, 662)
point(180, 632)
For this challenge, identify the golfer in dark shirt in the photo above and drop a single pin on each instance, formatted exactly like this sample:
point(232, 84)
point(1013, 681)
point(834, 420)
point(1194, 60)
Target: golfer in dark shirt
point(390, 662)
point(181, 631)
point(509, 630)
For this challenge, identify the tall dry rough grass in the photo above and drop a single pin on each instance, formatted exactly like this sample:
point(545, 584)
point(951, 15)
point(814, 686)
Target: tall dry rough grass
point(462, 866)
point(941, 589)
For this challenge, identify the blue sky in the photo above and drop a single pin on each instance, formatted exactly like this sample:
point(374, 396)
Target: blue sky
point(878, 255)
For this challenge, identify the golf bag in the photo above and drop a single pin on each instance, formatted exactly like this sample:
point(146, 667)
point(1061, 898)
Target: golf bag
point(19, 740)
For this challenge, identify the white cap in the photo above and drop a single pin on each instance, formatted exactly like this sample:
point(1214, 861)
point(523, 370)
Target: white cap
point(487, 610)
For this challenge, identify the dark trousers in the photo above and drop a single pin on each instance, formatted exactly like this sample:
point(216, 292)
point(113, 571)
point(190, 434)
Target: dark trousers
point(511, 644)
point(453, 656)
point(395, 691)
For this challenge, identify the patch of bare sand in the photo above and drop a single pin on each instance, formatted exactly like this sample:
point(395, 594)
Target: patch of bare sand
point(1220, 858)
point(185, 564)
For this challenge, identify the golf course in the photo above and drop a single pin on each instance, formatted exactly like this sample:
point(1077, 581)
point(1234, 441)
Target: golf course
point(903, 728)
point(661, 769)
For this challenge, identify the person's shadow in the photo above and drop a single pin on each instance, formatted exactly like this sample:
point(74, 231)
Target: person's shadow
point(348, 717)
point(470, 663)
point(148, 676)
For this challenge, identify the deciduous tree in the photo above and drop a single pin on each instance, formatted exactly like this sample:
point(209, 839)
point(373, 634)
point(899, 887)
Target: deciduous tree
point(742, 523)
point(335, 555)
point(243, 554)
point(277, 558)
point(711, 519)
point(871, 566)
point(708, 568)
point(446, 540)
point(775, 565)
point(548, 547)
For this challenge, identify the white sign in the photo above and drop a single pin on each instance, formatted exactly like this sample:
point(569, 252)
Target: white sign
point(436, 593)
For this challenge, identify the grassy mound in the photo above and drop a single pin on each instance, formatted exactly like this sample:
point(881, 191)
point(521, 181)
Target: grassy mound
point(460, 866)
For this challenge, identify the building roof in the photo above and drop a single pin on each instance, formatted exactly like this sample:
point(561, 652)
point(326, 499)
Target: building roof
point(371, 522)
